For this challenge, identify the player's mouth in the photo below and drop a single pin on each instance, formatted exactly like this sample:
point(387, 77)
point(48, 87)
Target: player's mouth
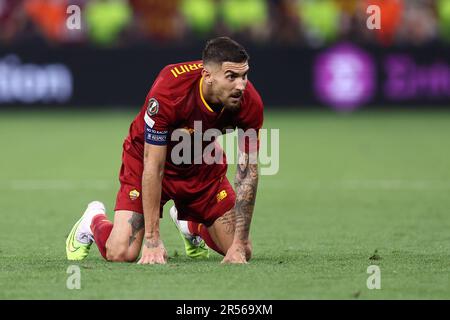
point(236, 96)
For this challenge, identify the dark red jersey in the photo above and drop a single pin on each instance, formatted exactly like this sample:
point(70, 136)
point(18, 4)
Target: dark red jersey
point(175, 101)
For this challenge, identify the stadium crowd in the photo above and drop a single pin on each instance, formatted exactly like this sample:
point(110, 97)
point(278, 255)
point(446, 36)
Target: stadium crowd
point(313, 23)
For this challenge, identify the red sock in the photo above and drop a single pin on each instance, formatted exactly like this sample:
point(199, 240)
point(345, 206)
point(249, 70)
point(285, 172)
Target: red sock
point(101, 227)
point(200, 229)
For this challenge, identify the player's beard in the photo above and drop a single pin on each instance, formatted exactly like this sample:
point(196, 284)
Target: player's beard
point(227, 99)
point(234, 106)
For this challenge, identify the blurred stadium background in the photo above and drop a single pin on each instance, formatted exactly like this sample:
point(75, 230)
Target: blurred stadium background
point(320, 52)
point(364, 143)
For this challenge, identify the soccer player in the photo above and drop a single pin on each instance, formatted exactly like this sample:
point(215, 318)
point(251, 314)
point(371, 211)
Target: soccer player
point(216, 93)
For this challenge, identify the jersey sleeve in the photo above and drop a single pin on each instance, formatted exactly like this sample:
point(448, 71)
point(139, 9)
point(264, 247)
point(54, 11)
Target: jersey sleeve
point(251, 124)
point(159, 115)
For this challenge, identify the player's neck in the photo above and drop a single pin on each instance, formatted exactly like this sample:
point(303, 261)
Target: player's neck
point(212, 102)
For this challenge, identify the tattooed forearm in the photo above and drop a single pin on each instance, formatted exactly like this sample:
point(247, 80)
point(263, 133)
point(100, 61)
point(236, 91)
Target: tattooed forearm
point(246, 184)
point(137, 224)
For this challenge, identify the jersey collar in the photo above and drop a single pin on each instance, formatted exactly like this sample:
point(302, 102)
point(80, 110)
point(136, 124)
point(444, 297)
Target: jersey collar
point(207, 106)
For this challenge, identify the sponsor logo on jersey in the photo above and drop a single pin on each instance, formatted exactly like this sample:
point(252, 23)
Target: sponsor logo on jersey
point(221, 195)
point(134, 194)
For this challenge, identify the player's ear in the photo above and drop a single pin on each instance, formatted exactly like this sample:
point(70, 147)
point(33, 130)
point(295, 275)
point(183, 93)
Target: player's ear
point(206, 75)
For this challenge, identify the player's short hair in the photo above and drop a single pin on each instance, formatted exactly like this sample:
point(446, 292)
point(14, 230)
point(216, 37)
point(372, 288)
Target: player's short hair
point(224, 49)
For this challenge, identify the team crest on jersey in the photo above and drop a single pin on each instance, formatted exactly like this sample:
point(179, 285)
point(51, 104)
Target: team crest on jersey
point(134, 194)
point(153, 107)
point(221, 195)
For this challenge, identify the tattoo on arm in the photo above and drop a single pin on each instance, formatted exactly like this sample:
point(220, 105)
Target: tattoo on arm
point(246, 184)
point(229, 221)
point(137, 224)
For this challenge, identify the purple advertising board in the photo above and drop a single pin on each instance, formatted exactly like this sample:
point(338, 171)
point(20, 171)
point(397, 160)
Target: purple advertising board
point(347, 77)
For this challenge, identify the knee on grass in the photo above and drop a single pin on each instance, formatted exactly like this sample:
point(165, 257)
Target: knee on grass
point(115, 254)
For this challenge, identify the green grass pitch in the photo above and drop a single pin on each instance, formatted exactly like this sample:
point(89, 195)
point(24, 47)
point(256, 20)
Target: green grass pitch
point(352, 191)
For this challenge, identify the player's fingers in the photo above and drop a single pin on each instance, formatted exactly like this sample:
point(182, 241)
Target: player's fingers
point(155, 259)
point(236, 258)
point(162, 259)
point(226, 259)
point(230, 254)
point(237, 261)
point(151, 259)
point(146, 260)
point(142, 260)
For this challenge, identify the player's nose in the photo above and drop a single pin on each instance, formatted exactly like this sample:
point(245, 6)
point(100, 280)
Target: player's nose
point(240, 85)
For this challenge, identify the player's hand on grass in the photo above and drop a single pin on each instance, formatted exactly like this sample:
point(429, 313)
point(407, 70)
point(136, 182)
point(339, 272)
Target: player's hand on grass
point(238, 253)
point(153, 252)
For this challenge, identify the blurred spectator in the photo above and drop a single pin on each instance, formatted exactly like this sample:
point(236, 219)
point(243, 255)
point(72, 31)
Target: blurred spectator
point(443, 9)
point(286, 27)
point(419, 25)
point(247, 18)
point(347, 6)
point(49, 16)
point(159, 20)
point(200, 15)
point(106, 19)
point(12, 19)
point(391, 15)
point(348, 9)
point(294, 22)
point(320, 20)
